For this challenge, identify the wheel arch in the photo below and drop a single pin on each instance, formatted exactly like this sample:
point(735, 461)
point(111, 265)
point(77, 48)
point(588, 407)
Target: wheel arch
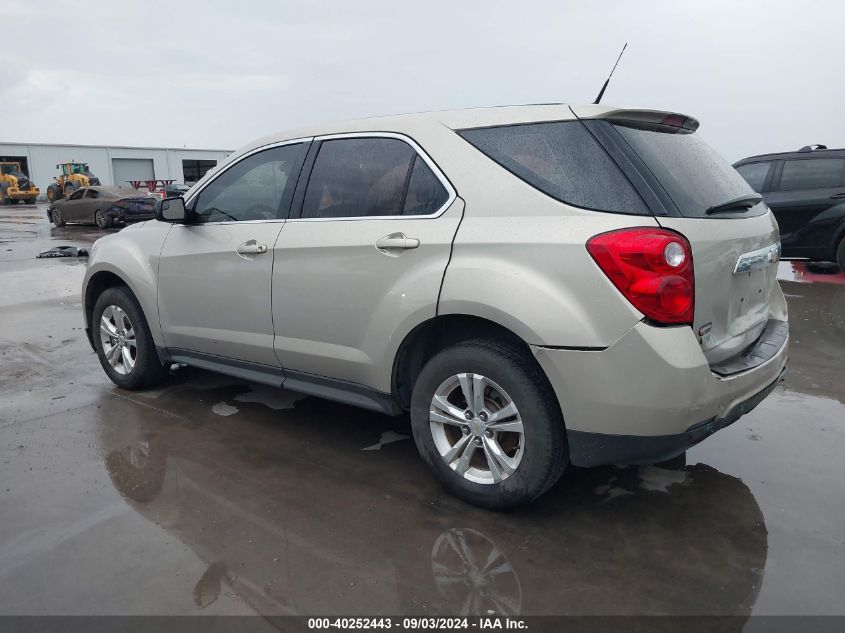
point(98, 283)
point(106, 276)
point(435, 334)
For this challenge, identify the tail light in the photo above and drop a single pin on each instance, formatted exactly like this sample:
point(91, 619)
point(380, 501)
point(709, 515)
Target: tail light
point(652, 268)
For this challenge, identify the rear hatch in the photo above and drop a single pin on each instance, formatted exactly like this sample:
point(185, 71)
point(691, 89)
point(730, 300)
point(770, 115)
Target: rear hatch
point(693, 190)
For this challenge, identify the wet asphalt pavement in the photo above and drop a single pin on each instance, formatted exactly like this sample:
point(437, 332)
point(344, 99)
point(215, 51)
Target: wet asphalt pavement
point(212, 495)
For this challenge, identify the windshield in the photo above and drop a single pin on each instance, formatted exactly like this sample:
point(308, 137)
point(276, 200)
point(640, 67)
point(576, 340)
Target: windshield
point(694, 175)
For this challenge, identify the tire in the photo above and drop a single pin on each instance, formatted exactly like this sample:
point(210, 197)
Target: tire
point(70, 188)
point(840, 254)
point(57, 218)
point(53, 193)
point(30, 200)
point(539, 454)
point(142, 370)
point(102, 220)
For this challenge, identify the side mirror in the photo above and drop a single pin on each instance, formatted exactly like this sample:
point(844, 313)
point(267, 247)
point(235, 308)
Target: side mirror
point(171, 210)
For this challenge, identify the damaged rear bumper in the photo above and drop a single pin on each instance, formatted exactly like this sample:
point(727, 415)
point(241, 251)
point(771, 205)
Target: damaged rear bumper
point(596, 449)
point(653, 394)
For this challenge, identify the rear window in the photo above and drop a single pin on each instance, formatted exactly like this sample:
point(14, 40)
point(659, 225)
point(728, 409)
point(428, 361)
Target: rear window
point(563, 160)
point(812, 173)
point(754, 174)
point(692, 173)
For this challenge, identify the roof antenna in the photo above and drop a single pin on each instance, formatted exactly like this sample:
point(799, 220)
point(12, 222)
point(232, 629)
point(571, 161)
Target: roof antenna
point(607, 81)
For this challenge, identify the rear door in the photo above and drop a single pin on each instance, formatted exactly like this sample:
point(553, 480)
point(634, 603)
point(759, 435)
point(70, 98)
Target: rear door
point(362, 257)
point(735, 250)
point(214, 272)
point(805, 189)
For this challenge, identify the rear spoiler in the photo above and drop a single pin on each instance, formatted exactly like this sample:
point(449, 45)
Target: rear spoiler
point(641, 117)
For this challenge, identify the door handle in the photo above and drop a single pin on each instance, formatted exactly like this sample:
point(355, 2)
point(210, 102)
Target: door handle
point(838, 196)
point(251, 247)
point(396, 241)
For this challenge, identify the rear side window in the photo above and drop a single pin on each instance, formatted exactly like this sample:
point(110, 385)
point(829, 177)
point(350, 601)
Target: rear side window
point(754, 174)
point(356, 177)
point(563, 160)
point(812, 173)
point(426, 194)
point(691, 172)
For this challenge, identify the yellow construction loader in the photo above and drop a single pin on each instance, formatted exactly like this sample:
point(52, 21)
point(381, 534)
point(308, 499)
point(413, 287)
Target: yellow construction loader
point(15, 185)
point(74, 175)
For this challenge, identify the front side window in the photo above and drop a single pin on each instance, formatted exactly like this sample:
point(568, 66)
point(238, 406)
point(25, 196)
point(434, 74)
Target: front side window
point(563, 160)
point(812, 173)
point(356, 177)
point(76, 195)
point(258, 187)
point(754, 174)
point(92, 193)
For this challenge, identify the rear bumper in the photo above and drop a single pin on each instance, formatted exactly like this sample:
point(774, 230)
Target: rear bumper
point(123, 215)
point(595, 449)
point(651, 395)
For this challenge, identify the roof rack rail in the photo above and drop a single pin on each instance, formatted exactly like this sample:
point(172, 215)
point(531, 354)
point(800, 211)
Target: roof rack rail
point(810, 148)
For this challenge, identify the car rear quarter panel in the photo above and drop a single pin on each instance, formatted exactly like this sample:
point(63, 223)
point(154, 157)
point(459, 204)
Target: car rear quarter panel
point(133, 255)
point(520, 259)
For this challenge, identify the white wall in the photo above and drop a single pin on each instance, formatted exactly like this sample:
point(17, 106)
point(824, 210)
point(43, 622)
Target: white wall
point(42, 159)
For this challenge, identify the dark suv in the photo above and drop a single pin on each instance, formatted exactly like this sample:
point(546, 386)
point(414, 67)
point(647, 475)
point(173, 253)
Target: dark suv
point(806, 192)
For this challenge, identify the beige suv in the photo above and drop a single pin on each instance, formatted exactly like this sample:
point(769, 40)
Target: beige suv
point(537, 285)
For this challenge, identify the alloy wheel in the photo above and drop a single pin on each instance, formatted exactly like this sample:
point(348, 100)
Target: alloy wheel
point(476, 428)
point(117, 335)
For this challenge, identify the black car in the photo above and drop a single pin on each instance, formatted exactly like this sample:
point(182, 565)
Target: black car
point(806, 192)
point(103, 206)
point(175, 189)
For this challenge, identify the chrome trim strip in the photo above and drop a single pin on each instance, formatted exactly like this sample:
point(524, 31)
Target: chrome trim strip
point(422, 154)
point(327, 137)
point(755, 260)
point(235, 161)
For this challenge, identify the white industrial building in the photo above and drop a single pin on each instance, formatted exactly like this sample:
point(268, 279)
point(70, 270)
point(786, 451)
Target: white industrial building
point(113, 164)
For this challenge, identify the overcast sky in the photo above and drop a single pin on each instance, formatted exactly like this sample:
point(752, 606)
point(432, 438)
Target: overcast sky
point(760, 76)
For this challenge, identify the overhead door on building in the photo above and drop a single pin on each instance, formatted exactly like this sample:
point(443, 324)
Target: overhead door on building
point(127, 169)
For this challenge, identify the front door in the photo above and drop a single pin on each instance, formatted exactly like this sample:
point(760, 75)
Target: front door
point(75, 207)
point(364, 258)
point(214, 272)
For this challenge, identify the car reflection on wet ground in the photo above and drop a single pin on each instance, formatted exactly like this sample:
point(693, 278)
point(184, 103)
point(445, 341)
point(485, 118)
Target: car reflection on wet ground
point(211, 495)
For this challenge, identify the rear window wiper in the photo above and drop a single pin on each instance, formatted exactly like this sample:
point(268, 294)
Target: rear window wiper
point(740, 204)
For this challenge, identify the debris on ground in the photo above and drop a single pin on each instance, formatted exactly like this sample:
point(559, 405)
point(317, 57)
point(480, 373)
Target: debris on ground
point(64, 251)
